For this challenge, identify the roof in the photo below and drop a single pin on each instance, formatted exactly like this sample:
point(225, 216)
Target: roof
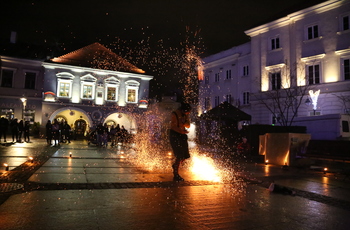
point(226, 111)
point(97, 56)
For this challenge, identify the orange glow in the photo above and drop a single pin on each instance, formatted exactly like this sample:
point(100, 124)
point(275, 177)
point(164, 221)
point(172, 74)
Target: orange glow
point(204, 168)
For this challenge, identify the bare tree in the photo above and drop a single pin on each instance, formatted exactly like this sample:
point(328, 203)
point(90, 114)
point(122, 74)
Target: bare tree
point(284, 100)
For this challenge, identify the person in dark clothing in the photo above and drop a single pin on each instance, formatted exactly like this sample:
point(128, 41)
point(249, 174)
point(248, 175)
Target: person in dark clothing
point(48, 132)
point(180, 122)
point(26, 131)
point(99, 134)
point(14, 129)
point(66, 132)
point(56, 132)
point(20, 131)
point(4, 123)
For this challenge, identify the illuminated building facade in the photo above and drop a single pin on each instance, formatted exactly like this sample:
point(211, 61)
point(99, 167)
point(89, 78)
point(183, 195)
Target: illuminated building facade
point(86, 87)
point(21, 78)
point(309, 49)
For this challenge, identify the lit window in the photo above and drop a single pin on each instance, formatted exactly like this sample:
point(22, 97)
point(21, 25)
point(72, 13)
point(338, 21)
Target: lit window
point(88, 85)
point(64, 84)
point(64, 89)
point(313, 74)
point(112, 86)
point(132, 88)
point(87, 92)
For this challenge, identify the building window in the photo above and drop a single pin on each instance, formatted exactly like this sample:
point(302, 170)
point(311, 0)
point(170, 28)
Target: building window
point(312, 32)
point(217, 77)
point(206, 103)
point(275, 43)
point(132, 88)
point(229, 98)
point(346, 69)
point(111, 93)
point(29, 82)
point(345, 23)
point(245, 70)
point(206, 79)
point(112, 86)
point(87, 92)
point(313, 74)
point(228, 74)
point(276, 80)
point(216, 101)
point(7, 78)
point(246, 98)
point(88, 83)
point(64, 89)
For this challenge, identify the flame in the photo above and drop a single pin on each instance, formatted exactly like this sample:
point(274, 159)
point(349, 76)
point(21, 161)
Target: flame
point(204, 168)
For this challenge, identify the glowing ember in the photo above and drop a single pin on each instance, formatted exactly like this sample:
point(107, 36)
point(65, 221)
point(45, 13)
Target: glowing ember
point(204, 168)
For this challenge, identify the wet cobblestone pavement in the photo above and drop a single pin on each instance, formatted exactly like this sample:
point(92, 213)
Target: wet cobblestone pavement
point(123, 197)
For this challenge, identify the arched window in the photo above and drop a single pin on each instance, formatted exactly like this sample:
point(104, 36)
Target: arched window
point(64, 84)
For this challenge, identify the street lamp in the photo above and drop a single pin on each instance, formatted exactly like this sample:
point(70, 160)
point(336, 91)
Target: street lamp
point(24, 102)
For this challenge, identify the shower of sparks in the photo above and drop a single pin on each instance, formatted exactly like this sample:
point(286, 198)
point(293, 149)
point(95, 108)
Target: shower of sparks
point(204, 168)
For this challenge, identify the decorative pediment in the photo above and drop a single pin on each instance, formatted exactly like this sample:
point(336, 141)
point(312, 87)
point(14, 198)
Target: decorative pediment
point(65, 75)
point(88, 78)
point(112, 80)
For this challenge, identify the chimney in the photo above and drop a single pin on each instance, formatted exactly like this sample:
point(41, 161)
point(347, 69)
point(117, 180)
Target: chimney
point(13, 37)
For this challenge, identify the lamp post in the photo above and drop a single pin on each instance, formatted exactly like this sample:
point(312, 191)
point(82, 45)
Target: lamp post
point(24, 102)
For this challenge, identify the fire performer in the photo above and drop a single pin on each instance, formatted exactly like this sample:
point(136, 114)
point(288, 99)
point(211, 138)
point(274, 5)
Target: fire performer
point(180, 122)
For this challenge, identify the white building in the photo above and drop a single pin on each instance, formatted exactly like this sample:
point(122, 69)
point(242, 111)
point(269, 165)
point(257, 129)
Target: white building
point(85, 87)
point(305, 50)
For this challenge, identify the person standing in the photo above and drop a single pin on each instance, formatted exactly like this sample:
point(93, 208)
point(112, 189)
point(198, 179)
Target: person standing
point(56, 132)
point(20, 131)
point(48, 132)
point(4, 123)
point(26, 131)
point(14, 129)
point(66, 132)
point(180, 122)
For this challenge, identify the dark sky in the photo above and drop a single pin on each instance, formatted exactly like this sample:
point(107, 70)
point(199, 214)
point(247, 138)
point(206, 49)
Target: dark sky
point(212, 26)
point(221, 22)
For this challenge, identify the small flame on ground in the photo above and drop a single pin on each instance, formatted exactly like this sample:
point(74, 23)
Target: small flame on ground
point(204, 168)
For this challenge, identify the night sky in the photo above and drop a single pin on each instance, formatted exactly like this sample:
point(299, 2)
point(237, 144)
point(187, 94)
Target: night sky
point(212, 26)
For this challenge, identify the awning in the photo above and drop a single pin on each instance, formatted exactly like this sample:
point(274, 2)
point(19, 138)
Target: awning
point(226, 111)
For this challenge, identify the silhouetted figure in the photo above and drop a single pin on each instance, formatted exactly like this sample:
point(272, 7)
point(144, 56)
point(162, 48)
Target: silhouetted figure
point(4, 123)
point(26, 131)
point(66, 132)
point(56, 132)
point(48, 132)
point(14, 129)
point(20, 131)
point(180, 122)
